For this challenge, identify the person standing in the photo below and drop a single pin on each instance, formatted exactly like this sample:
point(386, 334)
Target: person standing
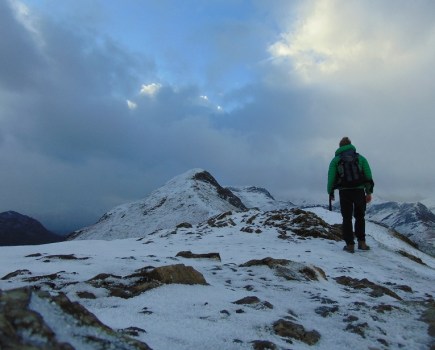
point(350, 173)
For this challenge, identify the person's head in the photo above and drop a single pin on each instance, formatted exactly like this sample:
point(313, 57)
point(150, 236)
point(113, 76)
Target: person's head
point(345, 141)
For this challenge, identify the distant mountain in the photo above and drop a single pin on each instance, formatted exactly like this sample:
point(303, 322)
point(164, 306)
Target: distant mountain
point(413, 220)
point(429, 203)
point(259, 197)
point(190, 197)
point(202, 271)
point(195, 196)
point(18, 229)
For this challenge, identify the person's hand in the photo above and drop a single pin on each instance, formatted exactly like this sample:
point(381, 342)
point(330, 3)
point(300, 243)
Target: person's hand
point(332, 197)
point(368, 198)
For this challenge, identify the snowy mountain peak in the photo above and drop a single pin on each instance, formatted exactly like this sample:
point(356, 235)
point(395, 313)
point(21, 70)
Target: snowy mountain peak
point(190, 197)
point(258, 197)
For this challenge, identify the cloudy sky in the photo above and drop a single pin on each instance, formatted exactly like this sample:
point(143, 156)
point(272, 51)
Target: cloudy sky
point(103, 101)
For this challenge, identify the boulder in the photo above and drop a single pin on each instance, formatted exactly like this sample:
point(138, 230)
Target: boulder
point(36, 320)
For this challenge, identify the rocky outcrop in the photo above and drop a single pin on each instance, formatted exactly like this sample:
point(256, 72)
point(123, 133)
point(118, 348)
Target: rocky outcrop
point(376, 290)
point(145, 279)
point(36, 320)
point(292, 330)
point(178, 273)
point(222, 192)
point(290, 223)
point(189, 255)
point(290, 270)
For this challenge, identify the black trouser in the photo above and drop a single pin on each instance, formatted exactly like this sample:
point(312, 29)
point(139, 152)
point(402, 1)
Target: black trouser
point(353, 203)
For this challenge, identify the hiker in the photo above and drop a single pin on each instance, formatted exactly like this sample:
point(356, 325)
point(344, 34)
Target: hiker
point(350, 173)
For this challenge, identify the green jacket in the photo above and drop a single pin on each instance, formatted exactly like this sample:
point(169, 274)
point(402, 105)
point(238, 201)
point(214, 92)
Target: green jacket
point(333, 171)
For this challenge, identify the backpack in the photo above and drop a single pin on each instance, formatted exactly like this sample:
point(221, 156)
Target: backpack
point(350, 172)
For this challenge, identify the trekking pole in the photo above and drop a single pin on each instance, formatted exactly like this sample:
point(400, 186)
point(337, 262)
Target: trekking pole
point(330, 203)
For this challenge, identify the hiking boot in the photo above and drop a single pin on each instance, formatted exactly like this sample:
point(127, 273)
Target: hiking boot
point(350, 248)
point(363, 246)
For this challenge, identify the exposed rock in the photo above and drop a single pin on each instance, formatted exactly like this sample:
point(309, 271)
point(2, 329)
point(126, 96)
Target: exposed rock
point(359, 328)
point(351, 318)
point(50, 277)
point(221, 220)
point(263, 345)
point(326, 311)
point(270, 262)
point(247, 300)
point(412, 257)
point(132, 331)
point(223, 193)
point(402, 287)
point(303, 223)
point(382, 308)
point(178, 273)
point(65, 257)
point(145, 279)
point(288, 269)
point(289, 329)
point(184, 225)
point(124, 287)
point(37, 321)
point(190, 255)
point(16, 273)
point(35, 255)
point(86, 295)
point(429, 317)
point(255, 301)
point(376, 290)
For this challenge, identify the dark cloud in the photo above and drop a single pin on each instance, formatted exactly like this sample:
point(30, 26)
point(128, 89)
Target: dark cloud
point(71, 148)
point(20, 58)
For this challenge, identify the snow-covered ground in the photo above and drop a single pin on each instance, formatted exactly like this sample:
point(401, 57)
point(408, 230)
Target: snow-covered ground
point(176, 316)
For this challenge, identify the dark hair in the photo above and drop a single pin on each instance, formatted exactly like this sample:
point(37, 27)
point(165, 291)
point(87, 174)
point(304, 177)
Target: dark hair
point(345, 141)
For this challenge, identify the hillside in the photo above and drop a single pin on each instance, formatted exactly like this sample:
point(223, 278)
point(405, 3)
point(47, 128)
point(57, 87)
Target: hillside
point(414, 220)
point(199, 266)
point(18, 229)
point(190, 197)
point(196, 195)
point(239, 280)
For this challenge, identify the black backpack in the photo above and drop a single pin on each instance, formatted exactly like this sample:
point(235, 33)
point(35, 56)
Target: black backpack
point(350, 172)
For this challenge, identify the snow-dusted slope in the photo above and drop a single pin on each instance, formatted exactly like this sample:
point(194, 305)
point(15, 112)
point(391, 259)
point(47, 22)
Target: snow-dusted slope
point(190, 197)
point(414, 220)
point(258, 197)
point(276, 280)
point(429, 203)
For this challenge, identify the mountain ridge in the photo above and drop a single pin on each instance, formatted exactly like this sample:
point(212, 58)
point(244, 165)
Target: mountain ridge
point(19, 229)
point(195, 195)
point(192, 196)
